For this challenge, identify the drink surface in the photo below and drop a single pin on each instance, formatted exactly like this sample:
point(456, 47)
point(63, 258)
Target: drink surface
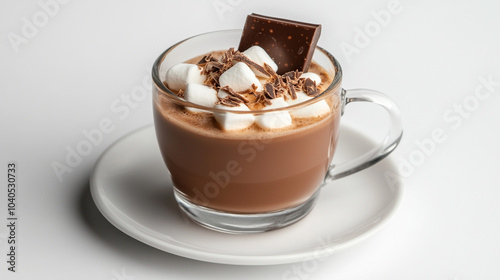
point(204, 123)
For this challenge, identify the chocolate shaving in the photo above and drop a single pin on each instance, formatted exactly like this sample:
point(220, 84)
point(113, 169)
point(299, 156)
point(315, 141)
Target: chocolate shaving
point(293, 75)
point(238, 56)
point(206, 59)
point(180, 93)
point(310, 87)
point(269, 91)
point(227, 57)
point(282, 82)
point(281, 92)
point(214, 66)
point(291, 88)
point(212, 78)
point(300, 84)
point(286, 86)
point(270, 71)
point(254, 89)
point(260, 98)
point(230, 101)
point(266, 101)
point(238, 95)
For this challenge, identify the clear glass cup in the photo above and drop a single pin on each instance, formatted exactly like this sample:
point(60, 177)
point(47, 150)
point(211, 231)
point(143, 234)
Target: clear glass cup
point(257, 180)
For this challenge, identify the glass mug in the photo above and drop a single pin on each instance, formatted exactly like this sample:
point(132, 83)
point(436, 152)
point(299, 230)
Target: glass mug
point(241, 182)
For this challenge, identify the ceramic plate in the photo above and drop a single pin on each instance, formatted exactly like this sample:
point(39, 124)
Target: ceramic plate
point(132, 188)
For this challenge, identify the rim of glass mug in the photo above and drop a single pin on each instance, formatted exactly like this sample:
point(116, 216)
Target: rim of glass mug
point(320, 54)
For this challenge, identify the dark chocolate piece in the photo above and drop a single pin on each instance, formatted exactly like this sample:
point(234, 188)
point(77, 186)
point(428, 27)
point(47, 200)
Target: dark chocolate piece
point(270, 71)
point(261, 98)
point(230, 101)
point(237, 95)
point(311, 88)
point(289, 43)
point(269, 91)
point(291, 88)
point(207, 58)
point(293, 75)
point(242, 58)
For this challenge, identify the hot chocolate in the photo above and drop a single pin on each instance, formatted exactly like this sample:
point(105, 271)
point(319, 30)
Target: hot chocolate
point(249, 170)
point(248, 135)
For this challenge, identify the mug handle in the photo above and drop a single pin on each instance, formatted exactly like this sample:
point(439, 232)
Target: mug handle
point(337, 171)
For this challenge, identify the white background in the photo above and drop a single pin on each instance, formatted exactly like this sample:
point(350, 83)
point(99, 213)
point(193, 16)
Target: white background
point(63, 76)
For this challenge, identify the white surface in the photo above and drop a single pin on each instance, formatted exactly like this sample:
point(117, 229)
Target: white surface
point(133, 190)
point(82, 67)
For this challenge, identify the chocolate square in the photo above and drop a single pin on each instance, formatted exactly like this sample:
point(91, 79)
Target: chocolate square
point(289, 43)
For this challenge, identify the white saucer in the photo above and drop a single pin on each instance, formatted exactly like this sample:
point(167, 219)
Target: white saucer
point(131, 187)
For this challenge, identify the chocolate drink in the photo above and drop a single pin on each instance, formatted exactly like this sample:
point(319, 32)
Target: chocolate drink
point(248, 134)
point(251, 170)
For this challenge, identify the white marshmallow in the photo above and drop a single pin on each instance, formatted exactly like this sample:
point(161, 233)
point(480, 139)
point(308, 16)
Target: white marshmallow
point(274, 120)
point(259, 55)
point(313, 76)
point(277, 103)
point(222, 93)
point(301, 97)
point(178, 76)
point(239, 78)
point(232, 121)
point(201, 95)
point(314, 110)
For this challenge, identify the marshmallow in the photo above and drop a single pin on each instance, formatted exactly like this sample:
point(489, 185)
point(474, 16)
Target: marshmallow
point(313, 76)
point(201, 95)
point(301, 97)
point(314, 110)
point(274, 120)
point(178, 76)
point(277, 103)
point(231, 121)
point(259, 55)
point(239, 78)
point(222, 93)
